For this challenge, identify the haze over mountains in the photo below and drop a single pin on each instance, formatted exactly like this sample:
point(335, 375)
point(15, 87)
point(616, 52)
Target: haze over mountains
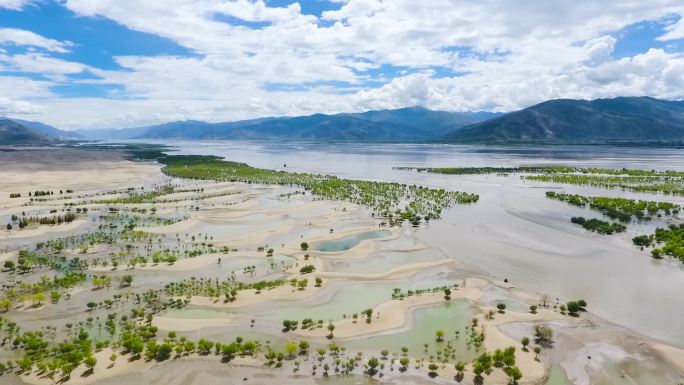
point(48, 130)
point(412, 123)
point(623, 119)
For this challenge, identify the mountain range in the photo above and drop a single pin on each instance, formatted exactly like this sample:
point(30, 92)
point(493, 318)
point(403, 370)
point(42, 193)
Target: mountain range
point(622, 119)
point(412, 123)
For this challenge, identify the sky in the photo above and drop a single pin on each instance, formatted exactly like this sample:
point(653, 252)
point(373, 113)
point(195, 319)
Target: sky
point(126, 63)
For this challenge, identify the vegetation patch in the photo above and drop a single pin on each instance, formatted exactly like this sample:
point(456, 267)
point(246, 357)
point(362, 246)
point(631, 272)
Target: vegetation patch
point(667, 241)
point(666, 182)
point(489, 170)
point(394, 201)
point(621, 209)
point(599, 226)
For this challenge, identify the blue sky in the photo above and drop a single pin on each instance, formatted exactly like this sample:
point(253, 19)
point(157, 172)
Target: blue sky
point(107, 63)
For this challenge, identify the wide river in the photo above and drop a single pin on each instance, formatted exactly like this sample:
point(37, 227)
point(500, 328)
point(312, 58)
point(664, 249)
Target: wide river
point(514, 232)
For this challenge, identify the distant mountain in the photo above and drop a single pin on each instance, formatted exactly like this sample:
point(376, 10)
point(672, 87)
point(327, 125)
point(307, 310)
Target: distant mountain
point(414, 123)
point(49, 130)
point(112, 133)
point(422, 117)
point(623, 119)
point(194, 129)
point(13, 133)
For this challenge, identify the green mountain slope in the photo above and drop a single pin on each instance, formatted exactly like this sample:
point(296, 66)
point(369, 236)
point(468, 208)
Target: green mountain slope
point(623, 119)
point(13, 133)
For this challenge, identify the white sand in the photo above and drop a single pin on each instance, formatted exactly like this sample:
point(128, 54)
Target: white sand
point(674, 356)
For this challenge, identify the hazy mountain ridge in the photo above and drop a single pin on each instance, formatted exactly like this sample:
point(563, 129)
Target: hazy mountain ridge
point(411, 123)
point(48, 130)
point(622, 119)
point(13, 133)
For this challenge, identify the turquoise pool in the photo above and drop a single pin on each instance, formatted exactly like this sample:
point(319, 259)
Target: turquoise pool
point(351, 241)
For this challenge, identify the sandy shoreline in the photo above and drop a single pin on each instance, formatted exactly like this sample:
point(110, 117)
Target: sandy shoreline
point(674, 356)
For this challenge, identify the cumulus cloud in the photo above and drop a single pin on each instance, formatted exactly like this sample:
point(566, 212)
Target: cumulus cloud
point(252, 59)
point(600, 48)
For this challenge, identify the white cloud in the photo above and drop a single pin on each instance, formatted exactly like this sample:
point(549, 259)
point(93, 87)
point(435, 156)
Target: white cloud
point(14, 4)
point(20, 37)
point(20, 107)
point(600, 48)
point(40, 64)
point(18, 92)
point(508, 56)
point(652, 73)
point(23, 88)
point(674, 31)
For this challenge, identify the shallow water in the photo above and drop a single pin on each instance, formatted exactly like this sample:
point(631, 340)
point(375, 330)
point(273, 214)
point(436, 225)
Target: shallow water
point(450, 317)
point(514, 231)
point(346, 243)
point(382, 261)
point(557, 377)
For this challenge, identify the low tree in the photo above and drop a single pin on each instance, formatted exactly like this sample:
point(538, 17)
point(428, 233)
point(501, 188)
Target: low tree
point(582, 304)
point(433, 369)
point(303, 347)
point(482, 364)
point(543, 335)
point(460, 369)
point(204, 346)
point(514, 373)
point(573, 308)
point(55, 296)
point(372, 366)
point(5, 304)
point(126, 280)
point(525, 341)
point(291, 349)
point(90, 363)
point(369, 314)
point(290, 325)
point(537, 351)
point(404, 362)
point(38, 298)
point(9, 265)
